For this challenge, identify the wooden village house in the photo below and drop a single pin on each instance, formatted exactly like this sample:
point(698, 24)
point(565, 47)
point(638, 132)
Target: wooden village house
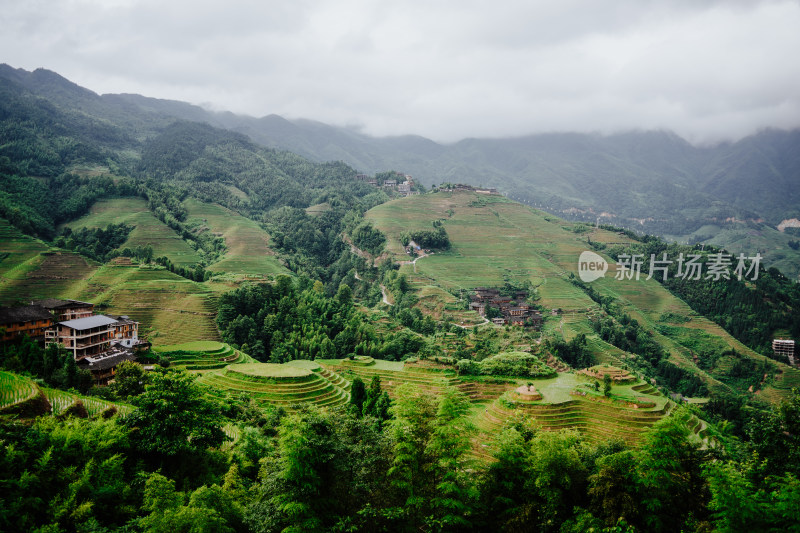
point(98, 343)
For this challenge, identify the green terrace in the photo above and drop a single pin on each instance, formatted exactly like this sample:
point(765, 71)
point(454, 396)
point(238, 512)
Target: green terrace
point(17, 391)
point(202, 355)
point(290, 384)
point(60, 401)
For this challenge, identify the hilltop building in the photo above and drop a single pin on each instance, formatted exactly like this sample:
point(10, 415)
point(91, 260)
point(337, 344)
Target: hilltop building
point(34, 320)
point(405, 188)
point(785, 348)
point(97, 342)
point(87, 336)
point(126, 331)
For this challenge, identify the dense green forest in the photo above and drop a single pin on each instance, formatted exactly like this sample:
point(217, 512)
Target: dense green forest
point(168, 465)
point(296, 320)
point(182, 460)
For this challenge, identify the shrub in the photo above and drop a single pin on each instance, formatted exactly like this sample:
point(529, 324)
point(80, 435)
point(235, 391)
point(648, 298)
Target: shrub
point(507, 364)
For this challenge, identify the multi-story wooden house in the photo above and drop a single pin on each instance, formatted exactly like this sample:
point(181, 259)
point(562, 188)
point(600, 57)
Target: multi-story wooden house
point(66, 309)
point(83, 336)
point(31, 320)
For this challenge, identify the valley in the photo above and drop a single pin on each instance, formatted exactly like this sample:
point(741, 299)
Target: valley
point(317, 338)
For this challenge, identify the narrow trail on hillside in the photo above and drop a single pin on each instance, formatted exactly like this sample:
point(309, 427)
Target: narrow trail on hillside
point(385, 297)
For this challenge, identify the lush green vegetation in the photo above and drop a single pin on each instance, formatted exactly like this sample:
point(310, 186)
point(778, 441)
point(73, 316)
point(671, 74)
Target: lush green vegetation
point(296, 320)
point(166, 466)
point(306, 445)
point(751, 310)
point(99, 244)
point(55, 366)
point(507, 364)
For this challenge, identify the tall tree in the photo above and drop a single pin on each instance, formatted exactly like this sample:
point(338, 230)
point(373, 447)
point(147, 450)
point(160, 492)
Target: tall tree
point(173, 417)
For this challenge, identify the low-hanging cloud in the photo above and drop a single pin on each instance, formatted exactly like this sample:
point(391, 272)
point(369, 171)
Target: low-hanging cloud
point(444, 69)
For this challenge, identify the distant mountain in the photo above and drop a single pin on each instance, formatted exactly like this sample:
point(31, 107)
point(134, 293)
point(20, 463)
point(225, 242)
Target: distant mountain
point(651, 181)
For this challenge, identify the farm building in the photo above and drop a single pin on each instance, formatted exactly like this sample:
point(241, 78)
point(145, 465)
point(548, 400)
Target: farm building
point(513, 310)
point(784, 347)
point(94, 335)
point(126, 331)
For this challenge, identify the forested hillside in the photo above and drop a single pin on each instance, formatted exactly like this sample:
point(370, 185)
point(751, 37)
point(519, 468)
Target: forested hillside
point(312, 370)
point(731, 194)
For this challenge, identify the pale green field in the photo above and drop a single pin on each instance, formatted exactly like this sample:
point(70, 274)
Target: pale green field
point(271, 370)
point(499, 240)
point(248, 250)
point(379, 364)
point(148, 230)
point(193, 346)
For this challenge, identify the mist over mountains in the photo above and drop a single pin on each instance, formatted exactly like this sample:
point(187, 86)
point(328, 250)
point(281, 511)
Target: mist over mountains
point(651, 181)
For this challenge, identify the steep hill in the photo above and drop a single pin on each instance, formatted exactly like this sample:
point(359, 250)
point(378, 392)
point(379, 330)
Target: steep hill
point(495, 240)
point(654, 182)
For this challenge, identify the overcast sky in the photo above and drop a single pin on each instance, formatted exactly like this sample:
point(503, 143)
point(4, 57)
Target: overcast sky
point(445, 69)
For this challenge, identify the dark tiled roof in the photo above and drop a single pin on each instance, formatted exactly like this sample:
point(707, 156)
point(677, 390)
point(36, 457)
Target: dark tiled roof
point(110, 359)
point(28, 313)
point(123, 319)
point(55, 303)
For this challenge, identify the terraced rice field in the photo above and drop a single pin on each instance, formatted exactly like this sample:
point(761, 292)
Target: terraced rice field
point(596, 421)
point(61, 400)
point(494, 239)
point(49, 274)
point(148, 230)
point(16, 251)
point(248, 250)
point(171, 309)
point(633, 409)
point(289, 385)
point(15, 389)
point(392, 375)
point(490, 242)
point(203, 355)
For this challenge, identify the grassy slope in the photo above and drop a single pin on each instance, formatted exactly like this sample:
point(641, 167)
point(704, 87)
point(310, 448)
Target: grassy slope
point(248, 244)
point(148, 229)
point(493, 238)
point(30, 269)
point(170, 308)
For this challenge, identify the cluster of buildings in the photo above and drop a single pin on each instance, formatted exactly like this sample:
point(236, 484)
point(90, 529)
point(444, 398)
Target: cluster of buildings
point(513, 309)
point(404, 187)
point(468, 188)
point(97, 342)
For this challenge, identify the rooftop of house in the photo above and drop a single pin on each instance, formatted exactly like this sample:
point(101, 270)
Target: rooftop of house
point(110, 358)
point(28, 313)
point(124, 319)
point(55, 303)
point(89, 322)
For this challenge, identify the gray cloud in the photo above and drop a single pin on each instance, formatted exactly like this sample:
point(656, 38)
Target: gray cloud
point(708, 70)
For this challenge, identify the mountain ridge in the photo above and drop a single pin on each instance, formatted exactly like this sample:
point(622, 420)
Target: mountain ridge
point(652, 181)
